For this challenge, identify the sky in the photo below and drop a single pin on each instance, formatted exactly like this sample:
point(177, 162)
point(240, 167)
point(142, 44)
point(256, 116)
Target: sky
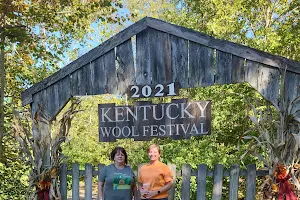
point(94, 39)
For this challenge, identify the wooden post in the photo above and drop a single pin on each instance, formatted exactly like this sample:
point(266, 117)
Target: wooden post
point(63, 181)
point(186, 185)
point(171, 194)
point(234, 182)
point(251, 182)
point(201, 182)
point(75, 181)
point(88, 189)
point(218, 180)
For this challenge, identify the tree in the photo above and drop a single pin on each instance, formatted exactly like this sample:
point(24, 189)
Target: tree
point(33, 38)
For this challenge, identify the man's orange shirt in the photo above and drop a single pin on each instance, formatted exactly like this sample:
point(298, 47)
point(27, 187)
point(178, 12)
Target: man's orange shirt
point(158, 175)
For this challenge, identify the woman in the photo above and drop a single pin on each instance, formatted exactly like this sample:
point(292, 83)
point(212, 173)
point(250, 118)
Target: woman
point(155, 178)
point(117, 181)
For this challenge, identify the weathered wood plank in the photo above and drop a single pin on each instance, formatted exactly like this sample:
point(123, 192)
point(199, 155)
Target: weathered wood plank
point(238, 69)
point(223, 45)
point(186, 185)
point(52, 106)
point(179, 61)
point(64, 91)
point(251, 182)
point(292, 91)
point(234, 182)
point(218, 181)
point(105, 47)
point(37, 100)
point(160, 57)
point(111, 72)
point(44, 101)
point(268, 83)
point(229, 47)
point(63, 181)
point(224, 68)
point(171, 193)
point(252, 73)
point(143, 73)
point(78, 81)
point(88, 184)
point(201, 65)
point(75, 181)
point(99, 75)
point(201, 182)
point(90, 78)
point(125, 70)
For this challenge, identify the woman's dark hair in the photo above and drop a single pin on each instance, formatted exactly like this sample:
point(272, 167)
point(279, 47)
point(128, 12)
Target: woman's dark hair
point(116, 150)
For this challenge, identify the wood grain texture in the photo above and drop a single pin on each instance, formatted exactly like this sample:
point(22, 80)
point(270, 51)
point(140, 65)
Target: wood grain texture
point(160, 57)
point(179, 54)
point(251, 182)
point(125, 70)
point(201, 182)
point(252, 73)
point(238, 69)
point(75, 181)
point(218, 182)
point(63, 181)
point(137, 29)
point(234, 182)
point(186, 185)
point(201, 65)
point(268, 83)
point(224, 68)
point(143, 73)
point(88, 182)
point(111, 72)
point(86, 58)
point(223, 45)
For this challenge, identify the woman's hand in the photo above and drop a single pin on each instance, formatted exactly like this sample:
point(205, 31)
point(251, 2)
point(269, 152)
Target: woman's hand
point(150, 194)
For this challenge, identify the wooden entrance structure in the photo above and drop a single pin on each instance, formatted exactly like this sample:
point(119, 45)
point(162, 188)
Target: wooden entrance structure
point(155, 52)
point(164, 53)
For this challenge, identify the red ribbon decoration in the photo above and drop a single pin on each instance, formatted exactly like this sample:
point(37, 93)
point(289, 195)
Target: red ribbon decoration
point(43, 194)
point(285, 189)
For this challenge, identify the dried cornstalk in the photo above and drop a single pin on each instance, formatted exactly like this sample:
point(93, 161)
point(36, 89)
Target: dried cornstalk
point(278, 139)
point(35, 139)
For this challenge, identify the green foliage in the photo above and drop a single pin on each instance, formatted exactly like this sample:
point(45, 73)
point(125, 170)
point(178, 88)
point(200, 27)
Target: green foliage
point(13, 174)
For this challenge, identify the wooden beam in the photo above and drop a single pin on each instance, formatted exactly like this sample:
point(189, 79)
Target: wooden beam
point(85, 59)
point(185, 33)
point(225, 46)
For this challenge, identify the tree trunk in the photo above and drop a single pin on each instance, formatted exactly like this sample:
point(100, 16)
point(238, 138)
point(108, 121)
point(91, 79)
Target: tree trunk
point(2, 87)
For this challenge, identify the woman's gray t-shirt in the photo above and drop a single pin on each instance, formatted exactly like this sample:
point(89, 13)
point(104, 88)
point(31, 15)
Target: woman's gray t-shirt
point(117, 182)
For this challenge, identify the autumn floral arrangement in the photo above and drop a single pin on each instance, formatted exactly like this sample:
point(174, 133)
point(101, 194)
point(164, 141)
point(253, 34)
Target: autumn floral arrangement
point(38, 138)
point(275, 140)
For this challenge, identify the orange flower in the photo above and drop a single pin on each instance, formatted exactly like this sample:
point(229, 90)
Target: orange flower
point(43, 185)
point(280, 172)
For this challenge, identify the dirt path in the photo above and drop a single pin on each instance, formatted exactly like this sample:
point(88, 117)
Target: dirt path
point(81, 192)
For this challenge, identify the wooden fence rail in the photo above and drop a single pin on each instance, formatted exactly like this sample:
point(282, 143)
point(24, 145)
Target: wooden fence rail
point(186, 173)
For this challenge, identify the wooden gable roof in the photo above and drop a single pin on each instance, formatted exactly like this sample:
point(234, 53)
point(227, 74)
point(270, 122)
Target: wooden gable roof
point(164, 53)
